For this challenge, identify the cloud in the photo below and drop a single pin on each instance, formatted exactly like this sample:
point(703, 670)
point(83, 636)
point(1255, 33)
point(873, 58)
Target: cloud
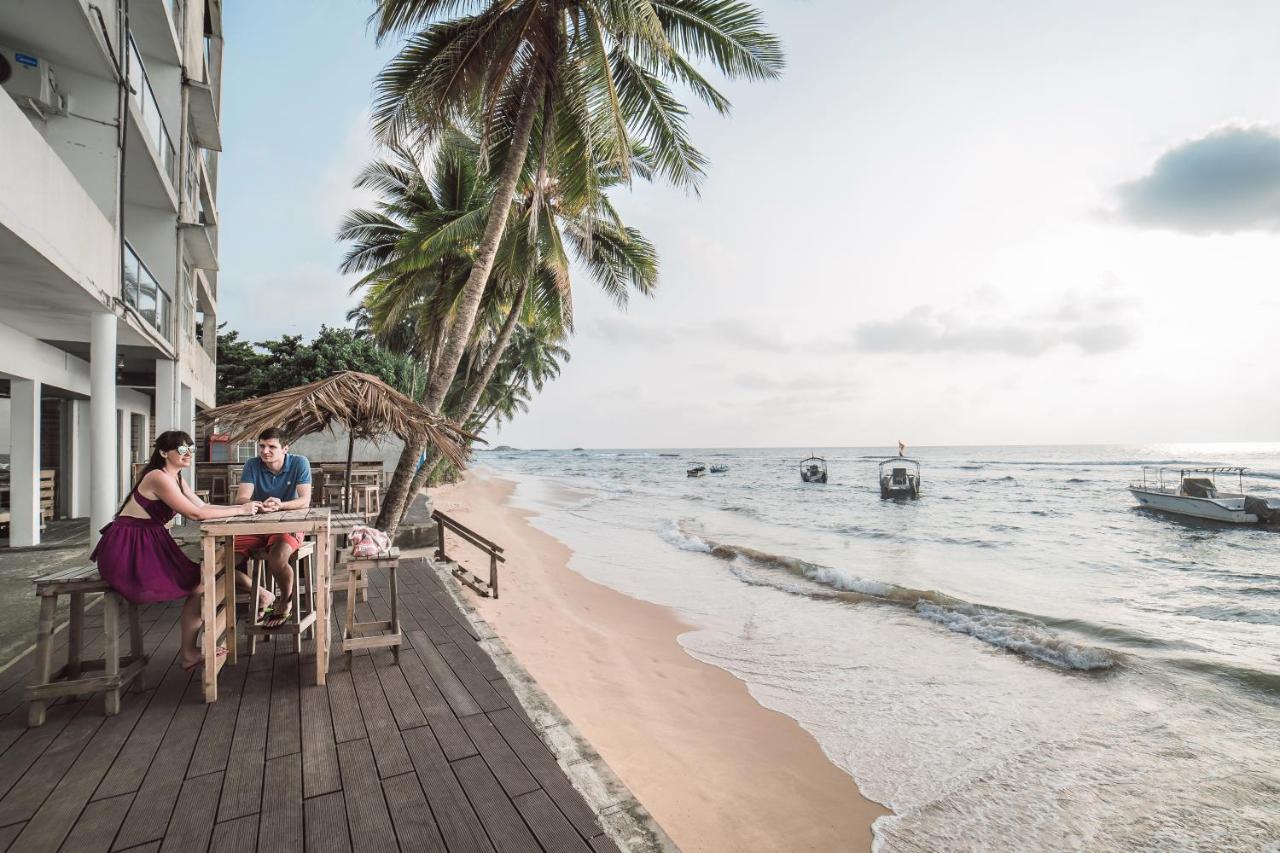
point(335, 195)
point(1225, 182)
point(1093, 323)
point(293, 302)
point(800, 381)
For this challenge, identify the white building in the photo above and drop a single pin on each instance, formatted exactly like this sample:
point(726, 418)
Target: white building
point(108, 241)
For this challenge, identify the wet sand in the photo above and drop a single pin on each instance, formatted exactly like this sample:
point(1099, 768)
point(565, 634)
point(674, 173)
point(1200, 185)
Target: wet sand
point(718, 771)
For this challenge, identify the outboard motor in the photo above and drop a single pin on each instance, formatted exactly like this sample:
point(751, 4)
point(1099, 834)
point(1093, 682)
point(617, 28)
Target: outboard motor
point(1259, 507)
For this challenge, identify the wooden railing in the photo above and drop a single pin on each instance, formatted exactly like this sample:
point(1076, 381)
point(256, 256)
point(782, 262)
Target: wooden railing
point(493, 549)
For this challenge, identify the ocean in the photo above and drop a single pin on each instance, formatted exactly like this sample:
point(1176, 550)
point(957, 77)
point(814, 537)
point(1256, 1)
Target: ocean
point(1019, 660)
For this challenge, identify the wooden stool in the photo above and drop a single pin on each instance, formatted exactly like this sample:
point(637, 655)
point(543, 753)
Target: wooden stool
point(303, 561)
point(360, 635)
point(68, 680)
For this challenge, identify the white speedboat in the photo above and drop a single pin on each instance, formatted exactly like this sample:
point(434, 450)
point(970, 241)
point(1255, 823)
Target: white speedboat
point(899, 478)
point(697, 469)
point(813, 470)
point(1195, 493)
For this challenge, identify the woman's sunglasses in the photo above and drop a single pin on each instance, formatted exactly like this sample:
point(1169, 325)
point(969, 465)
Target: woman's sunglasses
point(185, 449)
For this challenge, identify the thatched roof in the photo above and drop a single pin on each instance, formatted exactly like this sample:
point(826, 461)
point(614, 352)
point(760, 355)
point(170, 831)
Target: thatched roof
point(365, 405)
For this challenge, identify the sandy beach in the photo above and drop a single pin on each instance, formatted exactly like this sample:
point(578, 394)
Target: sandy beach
point(718, 771)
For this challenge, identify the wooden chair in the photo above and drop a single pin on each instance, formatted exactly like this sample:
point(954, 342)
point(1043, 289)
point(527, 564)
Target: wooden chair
point(69, 680)
point(382, 633)
point(303, 561)
point(48, 477)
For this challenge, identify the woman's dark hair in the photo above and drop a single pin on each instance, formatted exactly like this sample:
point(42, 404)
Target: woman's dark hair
point(165, 441)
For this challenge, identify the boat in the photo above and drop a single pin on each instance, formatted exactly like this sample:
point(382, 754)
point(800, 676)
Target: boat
point(697, 469)
point(719, 469)
point(669, 455)
point(1194, 493)
point(814, 470)
point(899, 478)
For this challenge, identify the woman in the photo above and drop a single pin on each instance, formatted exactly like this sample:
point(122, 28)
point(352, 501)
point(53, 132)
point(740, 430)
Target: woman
point(136, 554)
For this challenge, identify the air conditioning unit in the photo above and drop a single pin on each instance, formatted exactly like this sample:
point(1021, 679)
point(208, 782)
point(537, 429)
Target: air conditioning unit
point(30, 81)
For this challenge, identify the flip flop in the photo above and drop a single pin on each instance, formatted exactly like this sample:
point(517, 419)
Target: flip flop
point(273, 618)
point(222, 653)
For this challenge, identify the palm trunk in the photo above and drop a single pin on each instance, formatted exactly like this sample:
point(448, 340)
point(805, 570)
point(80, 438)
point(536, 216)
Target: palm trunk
point(469, 303)
point(495, 354)
point(424, 472)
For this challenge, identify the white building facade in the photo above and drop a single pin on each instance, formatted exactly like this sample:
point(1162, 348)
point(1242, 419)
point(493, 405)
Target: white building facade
point(109, 141)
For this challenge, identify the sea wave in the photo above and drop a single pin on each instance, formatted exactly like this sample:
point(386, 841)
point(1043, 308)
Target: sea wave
point(673, 532)
point(1020, 634)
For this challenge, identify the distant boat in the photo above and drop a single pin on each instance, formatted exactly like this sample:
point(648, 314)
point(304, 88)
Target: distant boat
point(899, 478)
point(697, 469)
point(1198, 496)
point(669, 455)
point(814, 470)
point(577, 450)
point(719, 469)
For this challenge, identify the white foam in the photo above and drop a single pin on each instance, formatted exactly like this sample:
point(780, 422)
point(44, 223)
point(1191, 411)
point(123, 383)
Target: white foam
point(1002, 631)
point(672, 533)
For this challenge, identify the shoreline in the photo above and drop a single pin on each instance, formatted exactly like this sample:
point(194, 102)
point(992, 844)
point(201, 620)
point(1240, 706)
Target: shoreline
point(716, 769)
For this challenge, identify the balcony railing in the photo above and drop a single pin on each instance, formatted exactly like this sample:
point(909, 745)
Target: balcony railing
point(145, 97)
point(142, 292)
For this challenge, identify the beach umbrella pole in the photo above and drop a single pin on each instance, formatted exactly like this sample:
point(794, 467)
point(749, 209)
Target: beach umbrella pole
point(351, 446)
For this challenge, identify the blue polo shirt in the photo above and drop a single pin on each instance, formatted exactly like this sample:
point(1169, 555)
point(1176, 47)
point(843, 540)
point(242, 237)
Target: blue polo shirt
point(295, 472)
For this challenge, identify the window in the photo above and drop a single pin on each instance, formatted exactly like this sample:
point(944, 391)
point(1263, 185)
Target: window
point(142, 292)
point(145, 97)
point(189, 301)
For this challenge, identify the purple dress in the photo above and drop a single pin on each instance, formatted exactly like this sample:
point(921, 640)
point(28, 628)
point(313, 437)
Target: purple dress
point(139, 558)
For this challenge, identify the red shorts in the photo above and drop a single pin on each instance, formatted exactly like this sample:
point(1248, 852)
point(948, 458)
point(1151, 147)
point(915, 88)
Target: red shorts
point(263, 541)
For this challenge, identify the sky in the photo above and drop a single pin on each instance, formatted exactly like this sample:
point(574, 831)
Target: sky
point(977, 223)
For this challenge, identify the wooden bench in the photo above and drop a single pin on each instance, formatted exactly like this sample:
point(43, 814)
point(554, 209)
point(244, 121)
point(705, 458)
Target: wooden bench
point(69, 680)
point(381, 633)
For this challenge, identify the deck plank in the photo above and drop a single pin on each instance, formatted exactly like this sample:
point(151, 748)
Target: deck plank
point(281, 815)
point(500, 757)
point(57, 815)
point(542, 765)
point(415, 827)
point(549, 825)
point(455, 692)
point(235, 836)
point(501, 819)
point(453, 738)
point(242, 784)
point(192, 823)
point(97, 826)
point(457, 821)
point(284, 730)
point(320, 774)
point(326, 818)
point(432, 754)
point(384, 734)
point(367, 813)
point(151, 809)
point(477, 685)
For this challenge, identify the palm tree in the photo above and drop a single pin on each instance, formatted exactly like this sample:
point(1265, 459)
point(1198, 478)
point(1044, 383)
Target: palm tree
point(408, 295)
point(566, 89)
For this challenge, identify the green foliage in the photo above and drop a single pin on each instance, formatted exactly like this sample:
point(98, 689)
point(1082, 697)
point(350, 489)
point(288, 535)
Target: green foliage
point(252, 369)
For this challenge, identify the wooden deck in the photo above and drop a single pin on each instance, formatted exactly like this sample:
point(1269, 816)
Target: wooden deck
point(433, 754)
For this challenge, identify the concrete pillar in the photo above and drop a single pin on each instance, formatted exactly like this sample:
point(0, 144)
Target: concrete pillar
point(24, 462)
point(187, 418)
point(103, 476)
point(124, 432)
point(78, 441)
point(167, 396)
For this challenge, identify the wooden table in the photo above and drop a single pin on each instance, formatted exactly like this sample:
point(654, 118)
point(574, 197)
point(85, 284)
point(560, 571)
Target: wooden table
point(219, 608)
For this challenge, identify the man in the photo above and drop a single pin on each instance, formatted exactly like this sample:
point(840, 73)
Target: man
point(281, 481)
